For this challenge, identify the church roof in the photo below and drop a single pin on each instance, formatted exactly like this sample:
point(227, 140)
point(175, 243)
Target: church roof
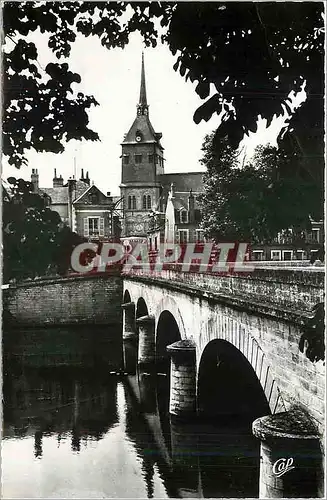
point(183, 181)
point(142, 124)
point(142, 100)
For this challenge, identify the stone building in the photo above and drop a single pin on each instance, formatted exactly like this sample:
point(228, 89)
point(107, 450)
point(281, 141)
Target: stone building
point(152, 198)
point(309, 245)
point(155, 206)
point(164, 207)
point(82, 206)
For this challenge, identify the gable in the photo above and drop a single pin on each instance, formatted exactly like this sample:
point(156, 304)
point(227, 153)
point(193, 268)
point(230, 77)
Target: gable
point(92, 196)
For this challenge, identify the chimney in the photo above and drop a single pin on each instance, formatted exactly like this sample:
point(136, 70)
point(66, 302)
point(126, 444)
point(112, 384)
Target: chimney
point(82, 176)
point(191, 206)
point(35, 180)
point(57, 181)
point(71, 198)
point(86, 179)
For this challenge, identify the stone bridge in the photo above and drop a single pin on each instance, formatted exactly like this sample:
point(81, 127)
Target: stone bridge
point(239, 345)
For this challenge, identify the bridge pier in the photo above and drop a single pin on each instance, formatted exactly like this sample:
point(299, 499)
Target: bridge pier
point(185, 458)
point(182, 398)
point(290, 456)
point(147, 348)
point(129, 338)
point(129, 330)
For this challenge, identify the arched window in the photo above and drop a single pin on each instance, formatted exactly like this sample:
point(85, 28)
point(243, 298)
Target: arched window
point(134, 202)
point(144, 202)
point(148, 201)
point(129, 202)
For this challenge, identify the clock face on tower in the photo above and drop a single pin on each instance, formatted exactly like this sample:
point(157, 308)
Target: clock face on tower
point(138, 137)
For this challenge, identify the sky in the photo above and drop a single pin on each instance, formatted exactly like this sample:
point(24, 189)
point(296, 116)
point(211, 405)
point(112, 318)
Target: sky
point(113, 77)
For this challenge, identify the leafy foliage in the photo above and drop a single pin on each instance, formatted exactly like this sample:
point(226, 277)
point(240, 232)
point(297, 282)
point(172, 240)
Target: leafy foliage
point(42, 110)
point(254, 203)
point(34, 241)
point(252, 53)
point(312, 341)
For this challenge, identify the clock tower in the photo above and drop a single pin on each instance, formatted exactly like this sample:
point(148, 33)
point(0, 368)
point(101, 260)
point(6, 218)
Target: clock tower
point(142, 163)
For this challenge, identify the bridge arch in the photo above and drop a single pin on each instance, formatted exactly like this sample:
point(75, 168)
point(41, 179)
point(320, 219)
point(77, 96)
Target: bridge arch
point(227, 384)
point(141, 308)
point(169, 304)
point(127, 297)
point(167, 333)
point(238, 336)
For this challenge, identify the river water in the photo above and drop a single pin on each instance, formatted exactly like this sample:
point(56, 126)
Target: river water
point(76, 426)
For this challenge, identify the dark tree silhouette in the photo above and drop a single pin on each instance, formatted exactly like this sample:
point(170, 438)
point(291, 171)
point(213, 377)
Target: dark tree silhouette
point(253, 54)
point(256, 201)
point(312, 341)
point(35, 242)
point(246, 57)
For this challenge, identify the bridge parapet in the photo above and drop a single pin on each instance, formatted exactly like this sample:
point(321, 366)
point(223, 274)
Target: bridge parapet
point(287, 293)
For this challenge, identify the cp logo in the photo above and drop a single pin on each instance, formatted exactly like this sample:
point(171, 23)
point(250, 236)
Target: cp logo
point(282, 466)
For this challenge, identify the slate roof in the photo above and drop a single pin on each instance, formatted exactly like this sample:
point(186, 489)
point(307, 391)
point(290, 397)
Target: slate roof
point(59, 195)
point(142, 124)
point(183, 182)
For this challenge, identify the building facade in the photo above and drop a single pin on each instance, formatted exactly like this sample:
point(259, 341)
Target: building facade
point(82, 206)
point(157, 206)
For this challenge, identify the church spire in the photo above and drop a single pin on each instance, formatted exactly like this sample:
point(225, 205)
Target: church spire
point(142, 107)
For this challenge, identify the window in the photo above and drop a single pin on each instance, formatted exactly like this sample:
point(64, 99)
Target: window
point(133, 202)
point(94, 198)
point(275, 255)
point(300, 254)
point(197, 215)
point(257, 254)
point(94, 226)
point(146, 202)
point(156, 242)
point(287, 254)
point(150, 158)
point(138, 158)
point(199, 235)
point(183, 236)
point(129, 202)
point(315, 234)
point(125, 159)
point(183, 215)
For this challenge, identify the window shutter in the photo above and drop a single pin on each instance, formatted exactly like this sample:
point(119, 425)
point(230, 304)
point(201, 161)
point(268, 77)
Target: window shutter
point(86, 226)
point(101, 230)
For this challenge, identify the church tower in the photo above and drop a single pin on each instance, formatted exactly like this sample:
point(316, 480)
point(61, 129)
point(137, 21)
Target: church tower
point(142, 163)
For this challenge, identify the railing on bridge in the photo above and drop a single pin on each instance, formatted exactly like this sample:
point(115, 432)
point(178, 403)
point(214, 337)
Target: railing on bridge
point(296, 290)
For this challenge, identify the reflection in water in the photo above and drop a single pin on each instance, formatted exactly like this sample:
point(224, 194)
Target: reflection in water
point(79, 431)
